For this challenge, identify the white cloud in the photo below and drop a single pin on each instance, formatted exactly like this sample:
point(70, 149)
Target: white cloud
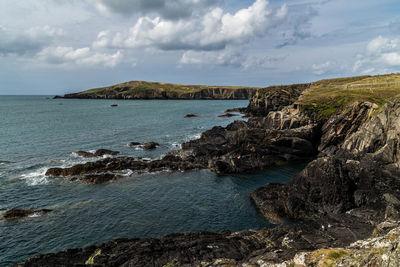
point(231, 57)
point(380, 53)
point(67, 56)
point(214, 30)
point(323, 68)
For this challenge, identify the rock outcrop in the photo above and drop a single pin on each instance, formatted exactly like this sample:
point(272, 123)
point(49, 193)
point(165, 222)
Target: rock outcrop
point(108, 169)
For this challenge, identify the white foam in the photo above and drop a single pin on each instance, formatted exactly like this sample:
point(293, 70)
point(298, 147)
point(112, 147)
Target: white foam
point(37, 177)
point(176, 145)
point(193, 136)
point(34, 215)
point(127, 172)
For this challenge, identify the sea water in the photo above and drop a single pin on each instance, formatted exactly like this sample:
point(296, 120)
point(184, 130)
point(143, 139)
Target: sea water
point(37, 133)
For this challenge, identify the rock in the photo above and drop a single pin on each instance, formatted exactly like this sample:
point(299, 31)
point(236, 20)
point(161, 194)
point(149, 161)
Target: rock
point(240, 110)
point(97, 178)
point(132, 144)
point(190, 115)
point(97, 153)
point(150, 145)
point(105, 170)
point(274, 98)
point(227, 115)
point(84, 154)
point(18, 213)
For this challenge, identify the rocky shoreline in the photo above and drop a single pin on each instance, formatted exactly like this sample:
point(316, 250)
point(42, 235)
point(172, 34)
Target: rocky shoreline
point(349, 192)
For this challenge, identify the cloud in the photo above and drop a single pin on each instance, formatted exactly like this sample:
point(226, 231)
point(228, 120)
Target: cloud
point(231, 57)
point(298, 26)
point(28, 41)
point(171, 10)
point(380, 53)
point(222, 58)
point(323, 68)
point(67, 56)
point(214, 30)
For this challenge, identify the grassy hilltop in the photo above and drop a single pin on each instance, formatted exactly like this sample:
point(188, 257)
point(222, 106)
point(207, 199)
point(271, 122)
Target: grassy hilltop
point(158, 90)
point(328, 95)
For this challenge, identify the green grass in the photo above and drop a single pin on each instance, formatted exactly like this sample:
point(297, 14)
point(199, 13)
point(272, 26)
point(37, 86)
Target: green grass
point(141, 86)
point(326, 96)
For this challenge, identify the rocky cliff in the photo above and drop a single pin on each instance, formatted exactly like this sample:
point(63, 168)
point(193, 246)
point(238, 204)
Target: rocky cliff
point(153, 90)
point(343, 209)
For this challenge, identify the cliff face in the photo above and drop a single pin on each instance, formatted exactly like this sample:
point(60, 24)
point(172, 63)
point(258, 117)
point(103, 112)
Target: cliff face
point(149, 90)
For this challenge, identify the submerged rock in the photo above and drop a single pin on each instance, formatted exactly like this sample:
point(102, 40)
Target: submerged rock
point(97, 153)
point(190, 115)
point(227, 115)
point(15, 214)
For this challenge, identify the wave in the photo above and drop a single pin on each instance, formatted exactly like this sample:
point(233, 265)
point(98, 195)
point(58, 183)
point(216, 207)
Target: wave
point(193, 137)
point(37, 177)
point(176, 145)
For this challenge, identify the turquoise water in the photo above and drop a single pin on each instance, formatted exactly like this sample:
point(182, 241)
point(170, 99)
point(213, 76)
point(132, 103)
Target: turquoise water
point(38, 133)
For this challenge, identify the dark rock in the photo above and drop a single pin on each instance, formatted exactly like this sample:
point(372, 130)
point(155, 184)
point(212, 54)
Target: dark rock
point(190, 115)
point(18, 213)
point(131, 144)
point(103, 152)
point(97, 178)
point(227, 115)
point(240, 110)
point(98, 153)
point(150, 145)
point(103, 170)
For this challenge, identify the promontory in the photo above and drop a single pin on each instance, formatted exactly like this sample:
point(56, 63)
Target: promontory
point(157, 90)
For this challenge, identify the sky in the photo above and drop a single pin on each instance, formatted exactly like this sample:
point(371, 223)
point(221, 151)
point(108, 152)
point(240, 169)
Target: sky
point(54, 47)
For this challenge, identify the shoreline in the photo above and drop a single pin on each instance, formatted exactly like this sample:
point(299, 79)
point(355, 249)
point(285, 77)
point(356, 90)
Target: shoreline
point(350, 192)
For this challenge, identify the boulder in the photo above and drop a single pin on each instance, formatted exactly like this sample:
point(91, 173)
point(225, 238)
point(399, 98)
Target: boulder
point(132, 144)
point(150, 145)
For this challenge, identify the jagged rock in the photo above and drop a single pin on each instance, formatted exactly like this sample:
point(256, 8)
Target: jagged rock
point(361, 175)
point(102, 170)
point(15, 214)
point(274, 98)
point(343, 124)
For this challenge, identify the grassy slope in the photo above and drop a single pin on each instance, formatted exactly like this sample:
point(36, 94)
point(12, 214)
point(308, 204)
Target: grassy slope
point(138, 86)
point(326, 96)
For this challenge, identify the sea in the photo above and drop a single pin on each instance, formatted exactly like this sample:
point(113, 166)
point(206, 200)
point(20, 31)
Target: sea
point(38, 132)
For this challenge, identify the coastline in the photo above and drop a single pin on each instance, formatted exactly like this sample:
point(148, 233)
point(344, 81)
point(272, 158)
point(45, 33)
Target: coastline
point(350, 192)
